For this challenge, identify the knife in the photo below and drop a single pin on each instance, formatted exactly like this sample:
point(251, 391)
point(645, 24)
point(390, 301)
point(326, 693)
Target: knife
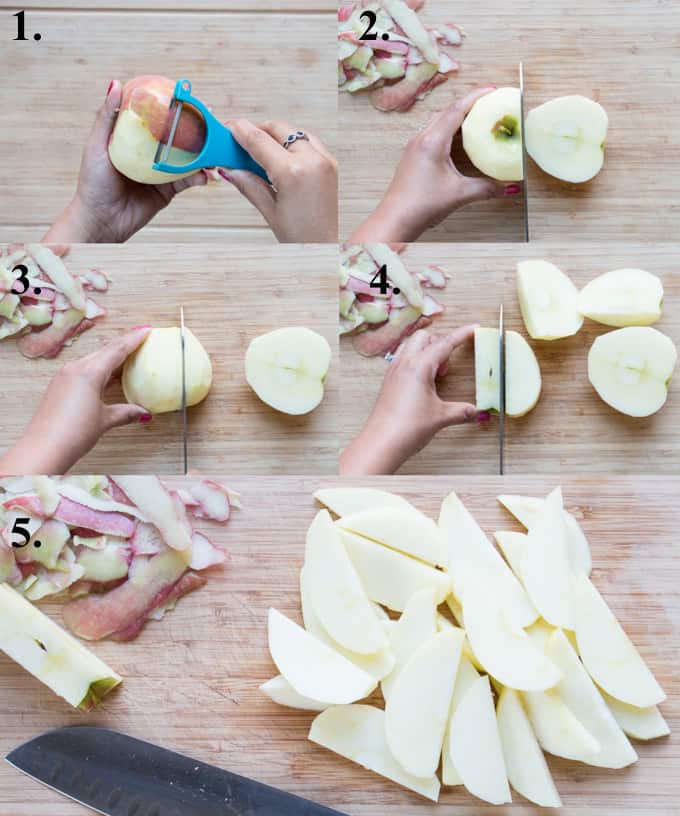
point(118, 775)
point(182, 339)
point(525, 164)
point(501, 388)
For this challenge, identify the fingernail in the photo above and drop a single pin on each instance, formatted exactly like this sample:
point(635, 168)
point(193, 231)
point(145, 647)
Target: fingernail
point(483, 416)
point(144, 419)
point(225, 175)
point(490, 87)
point(511, 189)
point(139, 328)
point(108, 90)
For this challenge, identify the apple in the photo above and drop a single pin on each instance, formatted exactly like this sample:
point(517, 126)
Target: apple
point(357, 732)
point(287, 368)
point(152, 375)
point(389, 577)
point(522, 374)
point(581, 695)
point(52, 655)
point(525, 764)
point(143, 121)
point(466, 676)
point(548, 300)
point(492, 134)
point(511, 544)
point(630, 369)
point(417, 710)
point(608, 653)
point(638, 723)
point(400, 529)
point(566, 137)
point(623, 297)
point(475, 745)
point(557, 729)
point(339, 600)
point(280, 691)
point(312, 668)
point(345, 500)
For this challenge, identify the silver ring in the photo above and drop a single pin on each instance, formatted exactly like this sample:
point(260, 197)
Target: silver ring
point(389, 356)
point(294, 137)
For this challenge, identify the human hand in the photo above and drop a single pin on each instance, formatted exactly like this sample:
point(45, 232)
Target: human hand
point(409, 411)
point(427, 186)
point(108, 207)
point(302, 204)
point(72, 414)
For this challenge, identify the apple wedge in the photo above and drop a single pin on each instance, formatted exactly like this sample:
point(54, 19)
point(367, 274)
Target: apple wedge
point(548, 299)
point(631, 368)
point(475, 745)
point(624, 297)
point(389, 577)
point(338, 597)
point(466, 677)
point(566, 137)
point(287, 368)
point(492, 134)
point(525, 764)
point(343, 501)
point(607, 652)
point(581, 695)
point(638, 723)
point(312, 668)
point(280, 691)
point(357, 732)
point(522, 374)
point(417, 710)
point(511, 544)
point(557, 729)
point(52, 655)
point(403, 530)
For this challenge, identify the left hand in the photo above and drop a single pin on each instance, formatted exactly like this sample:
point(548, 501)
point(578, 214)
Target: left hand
point(409, 411)
point(108, 207)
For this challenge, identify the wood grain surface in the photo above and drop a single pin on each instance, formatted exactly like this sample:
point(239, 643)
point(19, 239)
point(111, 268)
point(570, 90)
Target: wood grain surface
point(191, 681)
point(230, 295)
point(244, 63)
point(571, 430)
point(627, 60)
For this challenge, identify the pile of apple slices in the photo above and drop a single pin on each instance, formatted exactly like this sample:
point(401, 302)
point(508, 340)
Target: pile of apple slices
point(537, 661)
point(401, 61)
point(380, 317)
point(53, 309)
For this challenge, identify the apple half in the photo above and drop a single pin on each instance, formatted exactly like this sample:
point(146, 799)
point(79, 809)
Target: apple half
point(492, 134)
point(548, 299)
point(623, 297)
point(566, 137)
point(522, 373)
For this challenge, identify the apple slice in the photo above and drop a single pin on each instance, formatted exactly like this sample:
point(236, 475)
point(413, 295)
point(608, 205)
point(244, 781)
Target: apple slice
point(346, 500)
point(527, 769)
point(638, 723)
point(546, 573)
point(475, 745)
point(399, 529)
point(339, 599)
point(389, 577)
point(492, 134)
point(566, 136)
point(557, 729)
point(522, 374)
point(624, 297)
point(50, 654)
point(581, 695)
point(311, 667)
point(466, 677)
point(280, 691)
point(608, 653)
point(287, 368)
point(548, 299)
point(417, 710)
point(511, 544)
point(357, 732)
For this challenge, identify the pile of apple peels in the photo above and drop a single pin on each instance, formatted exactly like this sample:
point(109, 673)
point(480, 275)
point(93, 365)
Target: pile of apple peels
point(118, 549)
point(398, 70)
point(54, 309)
point(535, 663)
point(381, 320)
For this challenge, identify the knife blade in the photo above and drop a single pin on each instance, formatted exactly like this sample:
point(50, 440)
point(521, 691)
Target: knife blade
point(182, 336)
point(118, 775)
point(501, 388)
point(525, 164)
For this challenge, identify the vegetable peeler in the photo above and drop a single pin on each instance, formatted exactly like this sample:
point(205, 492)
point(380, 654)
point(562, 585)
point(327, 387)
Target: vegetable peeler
point(220, 148)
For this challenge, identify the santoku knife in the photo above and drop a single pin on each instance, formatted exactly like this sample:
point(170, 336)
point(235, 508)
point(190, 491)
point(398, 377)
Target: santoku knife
point(183, 343)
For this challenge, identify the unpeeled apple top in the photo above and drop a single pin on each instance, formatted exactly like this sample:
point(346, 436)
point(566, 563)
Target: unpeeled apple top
point(152, 375)
point(492, 134)
point(143, 121)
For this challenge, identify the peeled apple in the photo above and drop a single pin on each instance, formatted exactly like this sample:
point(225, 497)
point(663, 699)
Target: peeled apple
point(152, 375)
point(492, 134)
point(143, 121)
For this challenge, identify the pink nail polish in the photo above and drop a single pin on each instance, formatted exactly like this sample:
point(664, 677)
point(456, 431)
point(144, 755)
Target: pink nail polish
point(512, 189)
point(483, 416)
point(138, 328)
point(490, 87)
point(144, 419)
point(108, 90)
point(225, 175)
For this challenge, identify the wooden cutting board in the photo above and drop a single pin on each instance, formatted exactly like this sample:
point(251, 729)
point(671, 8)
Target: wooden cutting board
point(571, 430)
point(230, 295)
point(191, 681)
point(276, 62)
point(628, 61)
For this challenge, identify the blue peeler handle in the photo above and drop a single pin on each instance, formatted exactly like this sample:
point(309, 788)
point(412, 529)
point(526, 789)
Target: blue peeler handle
point(220, 148)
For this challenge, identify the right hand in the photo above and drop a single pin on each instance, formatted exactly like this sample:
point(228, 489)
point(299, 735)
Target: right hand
point(302, 204)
